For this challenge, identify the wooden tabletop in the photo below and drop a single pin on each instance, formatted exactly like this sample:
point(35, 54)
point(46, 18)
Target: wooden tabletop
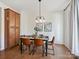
point(44, 38)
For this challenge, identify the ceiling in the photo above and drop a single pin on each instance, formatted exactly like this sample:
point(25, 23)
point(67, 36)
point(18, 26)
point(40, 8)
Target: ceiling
point(32, 5)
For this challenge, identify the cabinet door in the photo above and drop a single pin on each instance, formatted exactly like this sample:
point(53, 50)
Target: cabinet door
point(11, 28)
point(17, 20)
point(6, 25)
point(17, 26)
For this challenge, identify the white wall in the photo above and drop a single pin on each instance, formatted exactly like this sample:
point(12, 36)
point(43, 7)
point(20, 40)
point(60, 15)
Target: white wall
point(27, 23)
point(58, 26)
point(24, 23)
point(3, 6)
point(0, 27)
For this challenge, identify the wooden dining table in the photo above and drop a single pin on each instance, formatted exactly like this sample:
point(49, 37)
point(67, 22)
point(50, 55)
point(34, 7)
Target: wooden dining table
point(45, 38)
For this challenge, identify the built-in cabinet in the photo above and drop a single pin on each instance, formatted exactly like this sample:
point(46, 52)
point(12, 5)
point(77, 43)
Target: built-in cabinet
point(12, 28)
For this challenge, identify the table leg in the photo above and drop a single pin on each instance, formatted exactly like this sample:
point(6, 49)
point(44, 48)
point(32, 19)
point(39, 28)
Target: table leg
point(46, 47)
point(21, 46)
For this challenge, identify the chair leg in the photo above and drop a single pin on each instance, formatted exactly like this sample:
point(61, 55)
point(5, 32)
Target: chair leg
point(23, 48)
point(33, 50)
point(29, 49)
point(53, 50)
point(43, 50)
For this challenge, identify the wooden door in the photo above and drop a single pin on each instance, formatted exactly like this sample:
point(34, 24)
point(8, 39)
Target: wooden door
point(6, 25)
point(17, 26)
point(12, 28)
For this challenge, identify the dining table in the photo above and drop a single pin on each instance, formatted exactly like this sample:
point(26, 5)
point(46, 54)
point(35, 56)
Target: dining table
point(45, 39)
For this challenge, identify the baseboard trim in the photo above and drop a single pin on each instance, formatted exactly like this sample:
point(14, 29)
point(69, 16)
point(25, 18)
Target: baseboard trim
point(59, 44)
point(2, 49)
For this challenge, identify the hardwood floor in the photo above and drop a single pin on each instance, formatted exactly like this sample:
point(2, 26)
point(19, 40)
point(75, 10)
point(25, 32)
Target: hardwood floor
point(60, 53)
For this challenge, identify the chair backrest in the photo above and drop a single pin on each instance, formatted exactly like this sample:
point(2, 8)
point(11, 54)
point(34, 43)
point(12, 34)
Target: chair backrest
point(38, 42)
point(26, 41)
point(53, 40)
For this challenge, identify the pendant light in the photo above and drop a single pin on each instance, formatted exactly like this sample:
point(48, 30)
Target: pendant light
point(40, 19)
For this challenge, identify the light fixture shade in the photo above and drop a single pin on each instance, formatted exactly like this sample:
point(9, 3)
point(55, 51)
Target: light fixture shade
point(40, 19)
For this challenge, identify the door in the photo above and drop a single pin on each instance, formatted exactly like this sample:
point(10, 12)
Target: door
point(17, 26)
point(12, 29)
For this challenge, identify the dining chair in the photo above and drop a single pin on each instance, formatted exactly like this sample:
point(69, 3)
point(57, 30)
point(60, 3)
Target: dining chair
point(37, 43)
point(51, 43)
point(27, 43)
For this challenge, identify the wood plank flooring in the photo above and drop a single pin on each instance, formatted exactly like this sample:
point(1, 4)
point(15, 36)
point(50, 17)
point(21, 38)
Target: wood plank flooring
point(61, 52)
